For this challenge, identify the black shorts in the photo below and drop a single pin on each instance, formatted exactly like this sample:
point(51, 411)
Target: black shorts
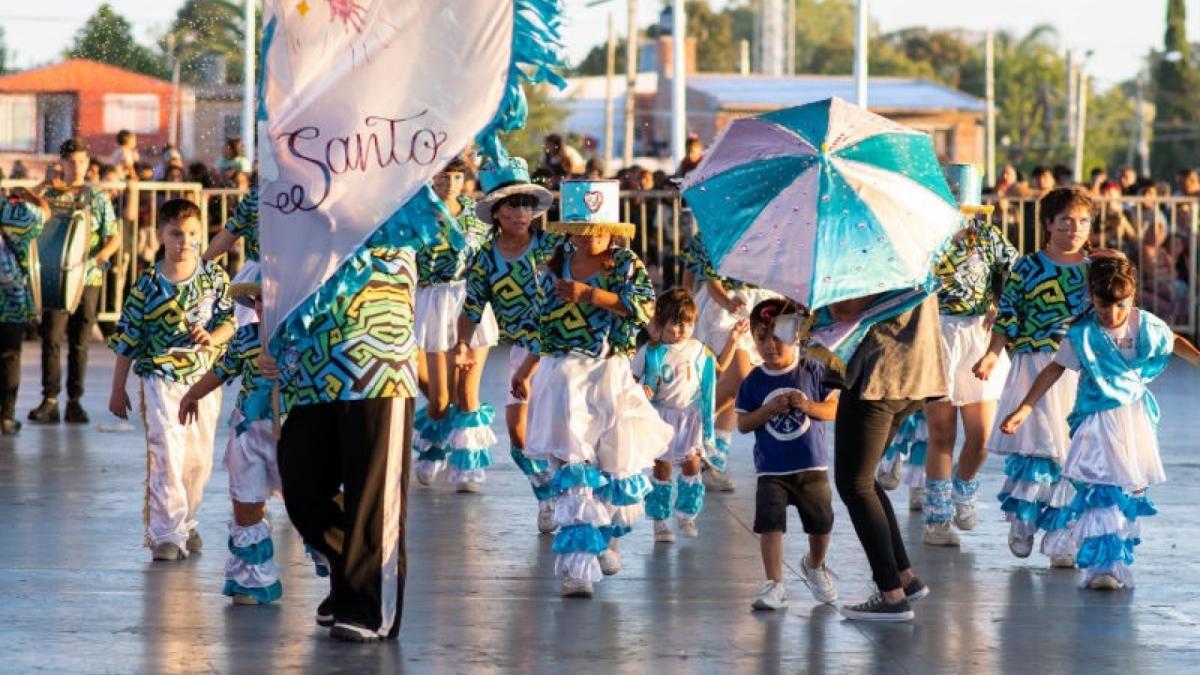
point(808, 491)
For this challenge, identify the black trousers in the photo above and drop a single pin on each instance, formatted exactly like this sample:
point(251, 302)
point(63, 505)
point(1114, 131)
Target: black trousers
point(76, 329)
point(344, 468)
point(11, 335)
point(863, 430)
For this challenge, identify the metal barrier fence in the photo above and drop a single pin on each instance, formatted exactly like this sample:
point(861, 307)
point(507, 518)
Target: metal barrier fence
point(1161, 235)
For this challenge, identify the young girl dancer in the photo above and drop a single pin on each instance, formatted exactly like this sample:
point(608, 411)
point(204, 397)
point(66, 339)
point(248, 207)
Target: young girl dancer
point(1045, 291)
point(1117, 349)
point(587, 416)
point(679, 375)
point(505, 277)
point(720, 303)
point(453, 428)
point(973, 271)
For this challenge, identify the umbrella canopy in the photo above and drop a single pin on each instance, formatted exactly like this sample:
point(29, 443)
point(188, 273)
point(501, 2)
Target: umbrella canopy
point(822, 203)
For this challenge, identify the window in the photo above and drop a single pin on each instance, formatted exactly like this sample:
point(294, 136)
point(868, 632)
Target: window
point(18, 123)
point(232, 125)
point(135, 112)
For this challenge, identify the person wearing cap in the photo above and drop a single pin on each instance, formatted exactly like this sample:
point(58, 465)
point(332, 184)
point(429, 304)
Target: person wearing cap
point(251, 573)
point(972, 271)
point(505, 277)
point(588, 418)
point(453, 429)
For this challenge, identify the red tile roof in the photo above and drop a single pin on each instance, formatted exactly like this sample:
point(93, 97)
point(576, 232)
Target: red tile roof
point(81, 75)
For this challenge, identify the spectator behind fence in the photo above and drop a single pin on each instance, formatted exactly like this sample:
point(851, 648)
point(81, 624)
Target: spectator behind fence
point(126, 154)
point(1064, 177)
point(19, 170)
point(1128, 179)
point(561, 158)
point(233, 158)
point(695, 155)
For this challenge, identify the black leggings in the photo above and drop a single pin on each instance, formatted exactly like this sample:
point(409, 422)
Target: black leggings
point(863, 431)
point(11, 335)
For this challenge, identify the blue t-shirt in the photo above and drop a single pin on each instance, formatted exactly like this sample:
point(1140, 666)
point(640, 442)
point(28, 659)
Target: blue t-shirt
point(792, 442)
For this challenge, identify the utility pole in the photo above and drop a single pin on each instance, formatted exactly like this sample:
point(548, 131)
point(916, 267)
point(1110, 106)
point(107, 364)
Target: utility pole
point(678, 81)
point(610, 74)
point(248, 121)
point(1143, 139)
point(789, 37)
point(631, 47)
point(1081, 126)
point(989, 57)
point(744, 60)
point(861, 46)
point(1071, 112)
point(173, 117)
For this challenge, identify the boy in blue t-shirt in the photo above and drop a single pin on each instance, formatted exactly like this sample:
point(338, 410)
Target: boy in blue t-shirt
point(785, 404)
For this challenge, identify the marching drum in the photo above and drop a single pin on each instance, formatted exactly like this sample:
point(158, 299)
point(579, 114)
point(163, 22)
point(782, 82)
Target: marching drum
point(61, 253)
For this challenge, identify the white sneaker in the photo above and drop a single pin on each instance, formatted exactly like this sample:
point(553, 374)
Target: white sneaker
point(610, 560)
point(468, 485)
point(687, 527)
point(545, 518)
point(715, 481)
point(772, 595)
point(940, 534)
point(890, 479)
point(663, 533)
point(427, 472)
point(916, 499)
point(1105, 582)
point(820, 581)
point(576, 588)
point(1063, 562)
point(964, 515)
point(1020, 546)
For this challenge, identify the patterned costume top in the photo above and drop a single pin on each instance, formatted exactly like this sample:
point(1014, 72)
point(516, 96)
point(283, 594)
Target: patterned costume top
point(972, 268)
point(1039, 301)
point(243, 222)
point(157, 316)
point(584, 329)
point(511, 286)
point(680, 375)
point(21, 224)
point(695, 260)
point(447, 260)
point(362, 345)
point(241, 360)
point(103, 221)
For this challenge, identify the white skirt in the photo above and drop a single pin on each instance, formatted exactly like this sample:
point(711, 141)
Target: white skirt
point(964, 342)
point(247, 274)
point(689, 433)
point(591, 410)
point(1116, 447)
point(713, 323)
point(1044, 433)
point(435, 319)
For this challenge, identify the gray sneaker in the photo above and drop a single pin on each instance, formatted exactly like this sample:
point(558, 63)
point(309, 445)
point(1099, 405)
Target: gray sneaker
point(940, 534)
point(576, 588)
point(1019, 545)
point(916, 499)
point(820, 581)
point(890, 479)
point(964, 514)
point(878, 609)
point(167, 551)
point(715, 480)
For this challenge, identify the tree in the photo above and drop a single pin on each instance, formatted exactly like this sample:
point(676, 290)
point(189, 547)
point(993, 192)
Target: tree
point(3, 52)
point(108, 37)
point(545, 117)
point(204, 29)
point(1175, 144)
point(596, 61)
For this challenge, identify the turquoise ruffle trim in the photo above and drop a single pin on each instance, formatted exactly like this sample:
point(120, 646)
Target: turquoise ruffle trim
point(1089, 496)
point(1057, 518)
point(319, 567)
point(1027, 512)
point(582, 538)
point(625, 491)
point(529, 467)
point(658, 502)
point(1032, 469)
point(690, 499)
point(1105, 550)
point(264, 595)
point(470, 420)
point(255, 554)
point(615, 531)
point(577, 475)
point(469, 459)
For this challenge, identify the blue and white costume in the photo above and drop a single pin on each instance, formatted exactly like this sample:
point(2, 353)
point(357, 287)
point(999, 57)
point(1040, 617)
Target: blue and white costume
point(1113, 455)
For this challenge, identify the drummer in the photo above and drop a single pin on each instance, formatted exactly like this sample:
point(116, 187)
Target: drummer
point(66, 194)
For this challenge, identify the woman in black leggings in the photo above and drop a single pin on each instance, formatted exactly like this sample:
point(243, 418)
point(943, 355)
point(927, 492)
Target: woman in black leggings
point(891, 374)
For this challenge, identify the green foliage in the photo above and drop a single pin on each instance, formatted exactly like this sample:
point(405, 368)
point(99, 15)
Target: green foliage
point(1176, 143)
point(596, 61)
point(545, 117)
point(3, 52)
point(108, 37)
point(206, 28)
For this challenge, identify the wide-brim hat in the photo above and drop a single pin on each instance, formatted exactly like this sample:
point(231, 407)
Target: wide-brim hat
point(244, 293)
point(586, 229)
point(483, 207)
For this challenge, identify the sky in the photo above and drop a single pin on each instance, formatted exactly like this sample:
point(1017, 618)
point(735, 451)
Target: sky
point(1118, 32)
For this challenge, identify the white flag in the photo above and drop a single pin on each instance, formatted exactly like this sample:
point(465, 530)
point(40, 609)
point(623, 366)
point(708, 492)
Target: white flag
point(365, 101)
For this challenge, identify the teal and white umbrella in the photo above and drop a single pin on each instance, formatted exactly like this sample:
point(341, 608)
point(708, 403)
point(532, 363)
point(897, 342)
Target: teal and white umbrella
point(823, 202)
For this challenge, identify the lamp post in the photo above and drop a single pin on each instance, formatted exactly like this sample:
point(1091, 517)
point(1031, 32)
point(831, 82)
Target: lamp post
point(248, 82)
point(861, 47)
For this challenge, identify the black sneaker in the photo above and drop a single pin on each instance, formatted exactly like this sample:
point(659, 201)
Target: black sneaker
point(915, 590)
point(325, 612)
point(76, 414)
point(878, 609)
point(9, 427)
point(349, 632)
point(45, 413)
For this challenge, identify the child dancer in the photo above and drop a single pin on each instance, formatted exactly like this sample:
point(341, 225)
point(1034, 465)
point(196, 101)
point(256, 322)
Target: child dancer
point(453, 428)
point(174, 321)
point(972, 272)
point(720, 303)
point(679, 375)
point(505, 277)
point(784, 403)
point(251, 573)
point(22, 217)
point(1045, 291)
point(905, 457)
point(243, 224)
point(1117, 349)
point(587, 416)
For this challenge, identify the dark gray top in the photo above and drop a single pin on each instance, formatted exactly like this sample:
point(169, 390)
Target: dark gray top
point(900, 358)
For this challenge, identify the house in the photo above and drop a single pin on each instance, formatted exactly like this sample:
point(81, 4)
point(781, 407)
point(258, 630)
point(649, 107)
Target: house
point(42, 107)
